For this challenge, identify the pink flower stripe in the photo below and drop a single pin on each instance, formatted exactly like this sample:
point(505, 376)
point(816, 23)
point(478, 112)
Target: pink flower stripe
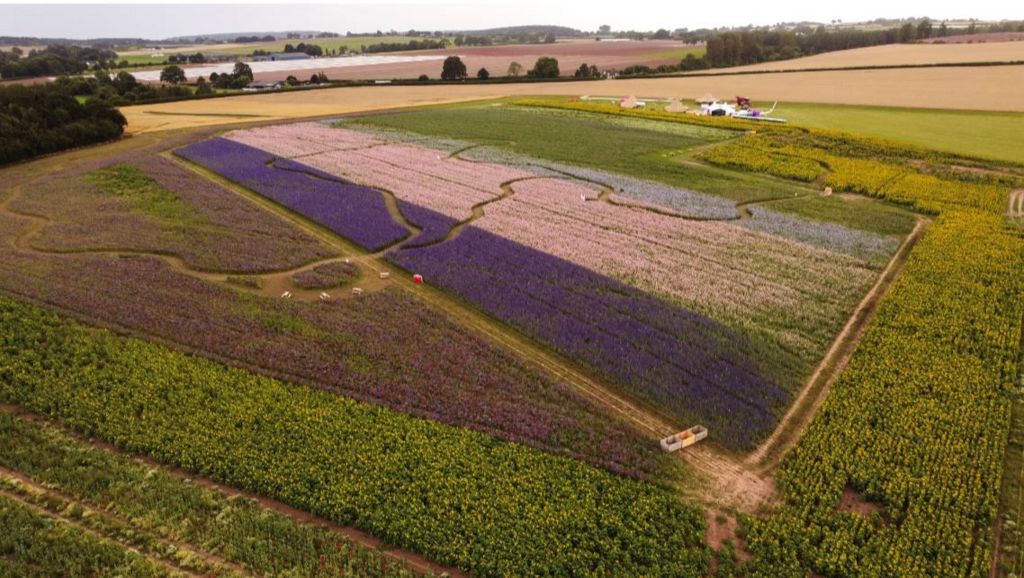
point(415, 174)
point(300, 139)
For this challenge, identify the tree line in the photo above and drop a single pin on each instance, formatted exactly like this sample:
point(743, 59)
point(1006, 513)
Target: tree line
point(53, 61)
point(47, 118)
point(737, 48)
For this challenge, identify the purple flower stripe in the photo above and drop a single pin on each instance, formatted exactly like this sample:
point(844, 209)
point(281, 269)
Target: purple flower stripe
point(355, 212)
point(434, 225)
point(692, 366)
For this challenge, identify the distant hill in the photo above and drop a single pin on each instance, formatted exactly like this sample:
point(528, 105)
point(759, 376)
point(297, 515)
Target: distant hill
point(33, 41)
point(520, 30)
point(229, 36)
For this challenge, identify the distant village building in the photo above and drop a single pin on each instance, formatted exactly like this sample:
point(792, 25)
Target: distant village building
point(256, 86)
point(278, 56)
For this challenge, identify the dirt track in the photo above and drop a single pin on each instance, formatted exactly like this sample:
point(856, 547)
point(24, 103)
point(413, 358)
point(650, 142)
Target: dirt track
point(803, 409)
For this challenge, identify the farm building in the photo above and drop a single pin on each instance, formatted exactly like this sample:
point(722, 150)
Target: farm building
point(280, 56)
point(256, 86)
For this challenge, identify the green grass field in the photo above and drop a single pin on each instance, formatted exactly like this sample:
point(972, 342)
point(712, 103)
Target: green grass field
point(678, 53)
point(994, 135)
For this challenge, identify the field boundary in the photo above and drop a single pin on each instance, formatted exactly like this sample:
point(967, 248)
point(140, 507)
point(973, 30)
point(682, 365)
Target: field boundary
point(807, 403)
point(27, 486)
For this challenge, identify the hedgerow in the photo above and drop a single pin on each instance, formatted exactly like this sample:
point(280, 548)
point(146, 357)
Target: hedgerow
point(459, 497)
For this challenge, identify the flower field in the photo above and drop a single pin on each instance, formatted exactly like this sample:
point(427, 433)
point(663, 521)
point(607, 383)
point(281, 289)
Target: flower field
point(147, 203)
point(917, 423)
point(679, 360)
point(370, 350)
point(157, 511)
point(459, 497)
point(415, 174)
point(352, 211)
point(747, 294)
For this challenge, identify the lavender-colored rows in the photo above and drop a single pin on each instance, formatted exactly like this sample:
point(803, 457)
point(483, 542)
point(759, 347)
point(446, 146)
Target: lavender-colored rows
point(870, 247)
point(694, 367)
point(355, 212)
point(434, 225)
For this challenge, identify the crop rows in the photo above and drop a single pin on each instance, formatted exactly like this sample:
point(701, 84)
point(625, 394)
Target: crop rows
point(457, 496)
point(917, 423)
point(34, 544)
point(146, 505)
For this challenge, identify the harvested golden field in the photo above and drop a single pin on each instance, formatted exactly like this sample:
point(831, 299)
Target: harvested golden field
point(895, 55)
point(969, 88)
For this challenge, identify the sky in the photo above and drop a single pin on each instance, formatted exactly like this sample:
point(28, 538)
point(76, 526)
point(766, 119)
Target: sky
point(157, 21)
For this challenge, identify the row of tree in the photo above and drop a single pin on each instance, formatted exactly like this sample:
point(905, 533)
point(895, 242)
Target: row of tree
point(546, 67)
point(119, 89)
point(425, 44)
point(53, 61)
point(41, 119)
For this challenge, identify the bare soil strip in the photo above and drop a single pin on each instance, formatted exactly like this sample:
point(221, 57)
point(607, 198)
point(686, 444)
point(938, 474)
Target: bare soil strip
point(792, 425)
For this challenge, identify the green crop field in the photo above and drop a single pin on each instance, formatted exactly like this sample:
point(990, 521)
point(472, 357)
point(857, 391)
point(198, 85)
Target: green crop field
point(995, 135)
point(678, 53)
